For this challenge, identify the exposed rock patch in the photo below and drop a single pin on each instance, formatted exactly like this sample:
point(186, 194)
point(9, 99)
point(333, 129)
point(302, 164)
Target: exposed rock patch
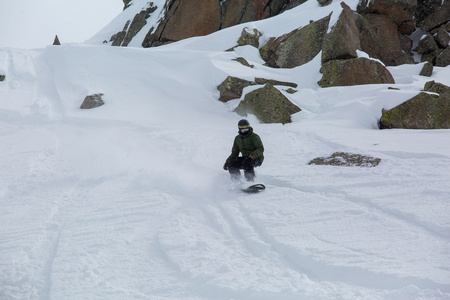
point(2, 77)
point(346, 160)
point(92, 101)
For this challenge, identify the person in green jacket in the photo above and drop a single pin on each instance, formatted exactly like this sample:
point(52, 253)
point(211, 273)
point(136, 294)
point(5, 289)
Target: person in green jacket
point(249, 144)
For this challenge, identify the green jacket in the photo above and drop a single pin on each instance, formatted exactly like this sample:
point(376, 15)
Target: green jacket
point(247, 144)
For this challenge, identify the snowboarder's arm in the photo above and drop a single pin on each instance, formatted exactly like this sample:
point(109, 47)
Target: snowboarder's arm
point(258, 152)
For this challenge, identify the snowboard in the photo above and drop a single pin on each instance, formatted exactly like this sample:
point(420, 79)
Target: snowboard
point(256, 188)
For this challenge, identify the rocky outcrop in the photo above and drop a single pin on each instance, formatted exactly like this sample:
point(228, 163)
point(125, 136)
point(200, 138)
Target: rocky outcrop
point(92, 101)
point(354, 72)
point(249, 38)
point(268, 104)
point(344, 159)
point(343, 39)
point(437, 14)
point(427, 110)
point(188, 18)
point(124, 37)
point(297, 47)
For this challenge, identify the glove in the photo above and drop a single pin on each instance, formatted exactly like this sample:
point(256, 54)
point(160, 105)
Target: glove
point(225, 166)
point(251, 156)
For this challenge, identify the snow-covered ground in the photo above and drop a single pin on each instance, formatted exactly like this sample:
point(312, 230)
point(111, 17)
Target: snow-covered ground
point(129, 200)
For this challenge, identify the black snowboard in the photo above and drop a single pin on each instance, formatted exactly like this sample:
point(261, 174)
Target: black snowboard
point(256, 188)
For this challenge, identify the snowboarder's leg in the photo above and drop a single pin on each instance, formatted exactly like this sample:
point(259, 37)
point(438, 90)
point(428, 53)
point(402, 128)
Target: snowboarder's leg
point(248, 165)
point(233, 168)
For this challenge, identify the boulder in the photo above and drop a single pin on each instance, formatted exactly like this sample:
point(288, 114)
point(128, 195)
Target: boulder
point(380, 38)
point(443, 60)
point(343, 39)
point(268, 104)
point(248, 38)
point(2, 77)
point(346, 160)
point(442, 38)
point(424, 111)
point(297, 47)
point(427, 70)
point(126, 4)
point(427, 45)
point(399, 11)
point(426, 8)
point(354, 72)
point(92, 101)
point(436, 17)
point(232, 87)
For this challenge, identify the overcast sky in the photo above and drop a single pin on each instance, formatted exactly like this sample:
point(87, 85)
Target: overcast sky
point(34, 23)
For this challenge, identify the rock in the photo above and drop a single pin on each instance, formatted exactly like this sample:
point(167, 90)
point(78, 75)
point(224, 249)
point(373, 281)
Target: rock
point(297, 47)
point(243, 61)
point(443, 60)
point(398, 11)
point(126, 4)
point(424, 111)
point(268, 104)
point(380, 38)
point(427, 70)
point(343, 39)
point(325, 2)
point(232, 87)
point(426, 8)
point(442, 38)
point(292, 4)
point(118, 38)
point(92, 101)
point(437, 17)
point(431, 57)
point(56, 41)
point(354, 72)
point(407, 27)
point(2, 77)
point(427, 45)
point(248, 38)
point(346, 160)
point(275, 82)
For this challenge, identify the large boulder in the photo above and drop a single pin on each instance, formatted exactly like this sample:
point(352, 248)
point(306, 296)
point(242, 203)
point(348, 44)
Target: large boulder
point(297, 47)
point(343, 39)
point(354, 72)
point(344, 159)
point(380, 38)
point(427, 45)
point(424, 111)
point(268, 104)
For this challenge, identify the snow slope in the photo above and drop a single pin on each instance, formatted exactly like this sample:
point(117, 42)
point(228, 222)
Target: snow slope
point(129, 201)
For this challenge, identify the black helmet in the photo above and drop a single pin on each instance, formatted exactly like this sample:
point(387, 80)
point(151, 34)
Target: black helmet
point(244, 127)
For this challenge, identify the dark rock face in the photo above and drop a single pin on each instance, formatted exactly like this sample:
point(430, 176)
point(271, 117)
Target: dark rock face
point(433, 16)
point(344, 159)
point(424, 111)
point(268, 104)
point(92, 101)
point(398, 11)
point(354, 72)
point(343, 39)
point(190, 18)
point(297, 47)
point(380, 38)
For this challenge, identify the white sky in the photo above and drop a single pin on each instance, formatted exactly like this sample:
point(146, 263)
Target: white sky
point(34, 23)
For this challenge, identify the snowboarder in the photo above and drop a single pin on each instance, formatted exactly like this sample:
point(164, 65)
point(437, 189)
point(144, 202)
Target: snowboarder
point(249, 144)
